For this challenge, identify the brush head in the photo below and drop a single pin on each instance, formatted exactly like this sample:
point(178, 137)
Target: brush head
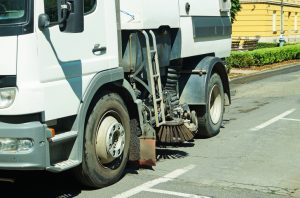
point(174, 132)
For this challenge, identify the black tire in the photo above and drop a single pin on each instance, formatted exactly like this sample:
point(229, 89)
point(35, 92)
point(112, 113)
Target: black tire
point(134, 149)
point(99, 172)
point(210, 117)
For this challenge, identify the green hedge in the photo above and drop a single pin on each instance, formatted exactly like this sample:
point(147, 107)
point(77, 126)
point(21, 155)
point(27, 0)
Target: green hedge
point(261, 45)
point(264, 56)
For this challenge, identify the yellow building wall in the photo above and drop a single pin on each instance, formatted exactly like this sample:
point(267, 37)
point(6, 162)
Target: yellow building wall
point(255, 20)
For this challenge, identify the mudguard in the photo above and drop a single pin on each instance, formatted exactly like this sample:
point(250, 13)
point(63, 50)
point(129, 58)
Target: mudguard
point(113, 76)
point(193, 86)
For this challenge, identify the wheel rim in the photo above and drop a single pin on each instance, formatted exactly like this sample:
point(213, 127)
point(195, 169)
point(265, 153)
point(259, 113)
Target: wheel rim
point(215, 104)
point(110, 139)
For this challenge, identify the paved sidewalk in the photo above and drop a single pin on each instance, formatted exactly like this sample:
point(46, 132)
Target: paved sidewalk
point(243, 75)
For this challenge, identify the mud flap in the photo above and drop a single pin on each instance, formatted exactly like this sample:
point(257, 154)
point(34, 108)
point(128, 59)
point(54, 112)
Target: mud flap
point(147, 152)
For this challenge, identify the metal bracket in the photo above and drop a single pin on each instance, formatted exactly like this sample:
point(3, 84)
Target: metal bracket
point(200, 72)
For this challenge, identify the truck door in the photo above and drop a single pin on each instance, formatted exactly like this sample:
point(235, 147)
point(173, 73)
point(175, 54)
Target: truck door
point(67, 60)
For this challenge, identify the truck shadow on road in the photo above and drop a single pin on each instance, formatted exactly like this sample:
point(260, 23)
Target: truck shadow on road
point(63, 185)
point(39, 184)
point(169, 153)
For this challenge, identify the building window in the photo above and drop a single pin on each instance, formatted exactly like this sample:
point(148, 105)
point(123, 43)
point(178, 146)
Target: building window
point(282, 23)
point(274, 22)
point(296, 22)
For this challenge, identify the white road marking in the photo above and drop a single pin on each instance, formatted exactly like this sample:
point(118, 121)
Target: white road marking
point(273, 120)
point(291, 119)
point(150, 184)
point(166, 192)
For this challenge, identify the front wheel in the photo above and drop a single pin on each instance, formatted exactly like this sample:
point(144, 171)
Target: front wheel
point(106, 143)
point(210, 117)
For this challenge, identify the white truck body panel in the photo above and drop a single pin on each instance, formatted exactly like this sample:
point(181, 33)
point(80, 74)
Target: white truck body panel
point(8, 49)
point(145, 14)
point(200, 8)
point(215, 44)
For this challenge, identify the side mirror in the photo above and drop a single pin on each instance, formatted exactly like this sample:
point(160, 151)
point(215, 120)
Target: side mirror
point(71, 15)
point(44, 21)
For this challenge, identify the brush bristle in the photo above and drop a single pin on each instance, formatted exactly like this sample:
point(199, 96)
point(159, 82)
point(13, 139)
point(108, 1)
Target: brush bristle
point(174, 134)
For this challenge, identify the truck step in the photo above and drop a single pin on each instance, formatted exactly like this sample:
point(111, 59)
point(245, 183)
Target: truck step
point(64, 165)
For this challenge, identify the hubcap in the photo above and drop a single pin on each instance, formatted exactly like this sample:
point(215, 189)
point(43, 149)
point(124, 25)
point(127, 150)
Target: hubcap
point(215, 104)
point(110, 140)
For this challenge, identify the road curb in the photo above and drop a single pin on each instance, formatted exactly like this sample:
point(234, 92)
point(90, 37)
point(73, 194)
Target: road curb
point(265, 74)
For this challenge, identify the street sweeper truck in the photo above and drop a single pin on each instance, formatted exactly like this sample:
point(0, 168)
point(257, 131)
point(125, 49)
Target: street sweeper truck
point(89, 84)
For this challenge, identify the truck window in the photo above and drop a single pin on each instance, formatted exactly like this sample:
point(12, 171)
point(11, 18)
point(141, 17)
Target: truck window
point(51, 8)
point(89, 5)
point(12, 11)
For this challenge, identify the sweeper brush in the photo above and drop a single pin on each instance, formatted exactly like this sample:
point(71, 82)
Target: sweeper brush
point(174, 132)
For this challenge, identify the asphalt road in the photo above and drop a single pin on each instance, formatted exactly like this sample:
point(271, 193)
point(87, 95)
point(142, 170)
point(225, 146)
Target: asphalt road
point(257, 154)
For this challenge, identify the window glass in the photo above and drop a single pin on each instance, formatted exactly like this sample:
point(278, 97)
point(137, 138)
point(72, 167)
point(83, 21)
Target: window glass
point(274, 18)
point(51, 8)
point(12, 11)
point(296, 22)
point(89, 5)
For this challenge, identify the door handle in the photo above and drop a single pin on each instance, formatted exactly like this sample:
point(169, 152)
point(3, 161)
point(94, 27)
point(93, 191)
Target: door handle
point(98, 48)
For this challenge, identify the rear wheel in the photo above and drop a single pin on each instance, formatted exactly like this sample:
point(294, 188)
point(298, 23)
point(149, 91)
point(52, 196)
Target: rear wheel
point(106, 143)
point(210, 117)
